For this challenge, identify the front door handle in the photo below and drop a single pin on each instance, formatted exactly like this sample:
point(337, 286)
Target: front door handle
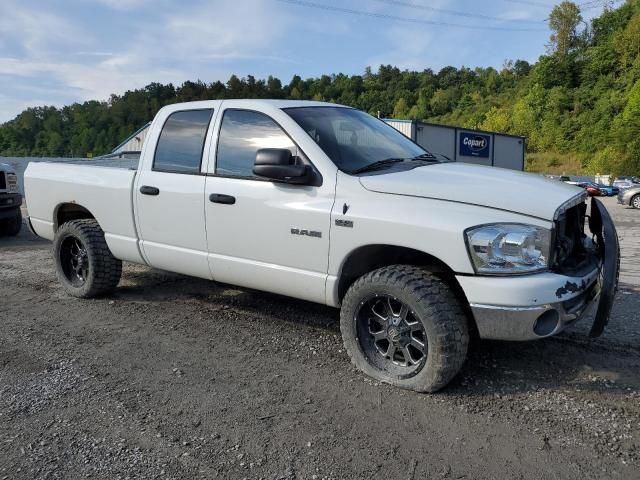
point(220, 198)
point(147, 190)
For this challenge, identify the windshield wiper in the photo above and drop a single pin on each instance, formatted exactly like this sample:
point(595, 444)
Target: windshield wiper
point(427, 157)
point(377, 164)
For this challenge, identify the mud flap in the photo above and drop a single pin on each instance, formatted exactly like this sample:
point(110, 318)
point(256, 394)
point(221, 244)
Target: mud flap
point(602, 227)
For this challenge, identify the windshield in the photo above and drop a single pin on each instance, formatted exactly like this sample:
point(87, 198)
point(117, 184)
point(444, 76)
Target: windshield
point(353, 139)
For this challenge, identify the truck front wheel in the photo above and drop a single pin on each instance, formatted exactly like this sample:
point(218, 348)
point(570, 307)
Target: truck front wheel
point(84, 264)
point(403, 326)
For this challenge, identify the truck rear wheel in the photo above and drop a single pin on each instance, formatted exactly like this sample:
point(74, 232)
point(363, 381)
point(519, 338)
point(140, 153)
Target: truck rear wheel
point(84, 264)
point(403, 326)
point(13, 225)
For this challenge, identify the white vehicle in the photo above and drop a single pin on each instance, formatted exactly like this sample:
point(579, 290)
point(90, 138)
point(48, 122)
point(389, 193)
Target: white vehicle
point(328, 204)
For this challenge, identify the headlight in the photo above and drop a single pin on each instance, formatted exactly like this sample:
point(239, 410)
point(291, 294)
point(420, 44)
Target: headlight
point(508, 248)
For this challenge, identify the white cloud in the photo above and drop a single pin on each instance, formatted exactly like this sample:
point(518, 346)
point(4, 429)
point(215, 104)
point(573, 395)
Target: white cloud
point(416, 47)
point(527, 15)
point(124, 4)
point(96, 81)
point(36, 30)
point(11, 106)
point(172, 44)
point(248, 27)
point(93, 54)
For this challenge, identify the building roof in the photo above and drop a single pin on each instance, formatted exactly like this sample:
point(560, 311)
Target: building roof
point(130, 137)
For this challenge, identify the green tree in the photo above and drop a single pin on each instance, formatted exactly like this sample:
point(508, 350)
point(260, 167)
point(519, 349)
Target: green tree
point(401, 109)
point(496, 120)
point(563, 22)
point(627, 42)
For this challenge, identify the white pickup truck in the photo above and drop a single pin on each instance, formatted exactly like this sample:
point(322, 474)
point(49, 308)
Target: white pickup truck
point(325, 203)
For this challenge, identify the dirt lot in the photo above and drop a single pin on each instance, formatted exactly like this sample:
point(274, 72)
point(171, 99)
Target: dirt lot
point(174, 377)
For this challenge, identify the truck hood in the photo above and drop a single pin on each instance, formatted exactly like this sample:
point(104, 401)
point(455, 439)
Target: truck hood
point(492, 187)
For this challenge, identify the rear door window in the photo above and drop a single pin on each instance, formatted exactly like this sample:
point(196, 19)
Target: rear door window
point(181, 142)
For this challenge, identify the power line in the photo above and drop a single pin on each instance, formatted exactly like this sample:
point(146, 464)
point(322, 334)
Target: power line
point(400, 3)
point(385, 16)
point(532, 3)
point(589, 5)
point(583, 5)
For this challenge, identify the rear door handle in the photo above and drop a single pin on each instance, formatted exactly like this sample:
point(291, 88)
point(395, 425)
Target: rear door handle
point(147, 190)
point(220, 198)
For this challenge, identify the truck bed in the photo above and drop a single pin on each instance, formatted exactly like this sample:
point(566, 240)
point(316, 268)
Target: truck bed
point(20, 164)
point(106, 191)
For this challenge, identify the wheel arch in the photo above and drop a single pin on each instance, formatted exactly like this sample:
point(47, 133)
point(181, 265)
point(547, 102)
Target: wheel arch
point(65, 212)
point(366, 258)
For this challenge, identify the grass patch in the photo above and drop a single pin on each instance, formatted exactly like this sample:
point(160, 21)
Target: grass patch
point(554, 163)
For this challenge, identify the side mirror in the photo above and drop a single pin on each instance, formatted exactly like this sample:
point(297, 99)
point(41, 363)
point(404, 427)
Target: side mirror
point(278, 164)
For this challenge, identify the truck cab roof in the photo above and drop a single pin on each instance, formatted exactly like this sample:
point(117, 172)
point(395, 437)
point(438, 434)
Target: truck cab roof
point(252, 103)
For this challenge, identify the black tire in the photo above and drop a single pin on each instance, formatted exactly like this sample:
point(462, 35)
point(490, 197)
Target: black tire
point(13, 225)
point(100, 272)
point(635, 201)
point(431, 302)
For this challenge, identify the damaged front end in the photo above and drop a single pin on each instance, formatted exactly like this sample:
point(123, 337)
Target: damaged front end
point(578, 251)
point(583, 275)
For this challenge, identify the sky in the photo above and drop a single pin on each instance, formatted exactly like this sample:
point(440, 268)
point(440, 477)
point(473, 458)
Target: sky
point(57, 52)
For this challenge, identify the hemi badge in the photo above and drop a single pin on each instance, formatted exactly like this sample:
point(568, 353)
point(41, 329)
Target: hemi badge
point(344, 223)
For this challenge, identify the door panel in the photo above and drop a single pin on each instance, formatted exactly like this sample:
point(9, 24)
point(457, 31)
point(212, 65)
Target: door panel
point(171, 223)
point(169, 196)
point(260, 234)
point(251, 241)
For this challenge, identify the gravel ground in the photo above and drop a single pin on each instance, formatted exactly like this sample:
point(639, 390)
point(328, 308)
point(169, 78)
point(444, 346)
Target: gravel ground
point(174, 377)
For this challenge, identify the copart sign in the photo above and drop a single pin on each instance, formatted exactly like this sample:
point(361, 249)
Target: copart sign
point(474, 145)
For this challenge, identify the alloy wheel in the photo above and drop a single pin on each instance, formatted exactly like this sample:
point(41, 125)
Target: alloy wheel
point(74, 261)
point(391, 335)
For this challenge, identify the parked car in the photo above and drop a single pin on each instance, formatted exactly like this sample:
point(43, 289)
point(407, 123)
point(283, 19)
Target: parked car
point(591, 188)
point(609, 191)
point(328, 204)
point(630, 196)
point(626, 182)
point(10, 202)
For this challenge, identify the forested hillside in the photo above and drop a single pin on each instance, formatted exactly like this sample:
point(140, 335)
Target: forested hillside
point(579, 105)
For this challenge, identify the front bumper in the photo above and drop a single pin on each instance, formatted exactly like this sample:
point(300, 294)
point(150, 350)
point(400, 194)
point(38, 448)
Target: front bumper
point(531, 323)
point(625, 194)
point(9, 202)
point(539, 305)
point(536, 306)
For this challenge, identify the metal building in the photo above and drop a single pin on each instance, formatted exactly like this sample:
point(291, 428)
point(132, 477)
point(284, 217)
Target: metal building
point(133, 143)
point(465, 145)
